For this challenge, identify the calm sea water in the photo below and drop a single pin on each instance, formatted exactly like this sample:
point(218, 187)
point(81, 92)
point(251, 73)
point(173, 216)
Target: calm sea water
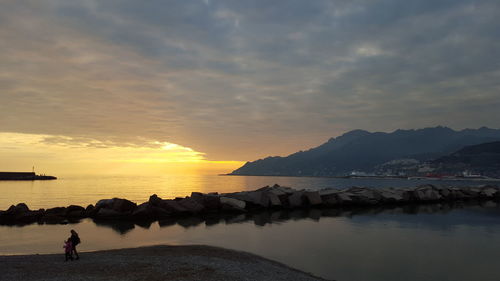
point(431, 242)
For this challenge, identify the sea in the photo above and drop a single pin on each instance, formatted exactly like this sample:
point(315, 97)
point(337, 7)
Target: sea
point(427, 242)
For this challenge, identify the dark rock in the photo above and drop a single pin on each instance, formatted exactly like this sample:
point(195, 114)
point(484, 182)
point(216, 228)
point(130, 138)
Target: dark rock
point(471, 192)
point(391, 195)
point(312, 198)
point(21, 208)
point(57, 211)
point(90, 211)
point(445, 193)
point(426, 193)
point(344, 198)
point(20, 214)
point(253, 199)
point(143, 211)
point(154, 200)
point(196, 195)
point(104, 203)
point(160, 212)
point(123, 205)
point(191, 205)
point(296, 199)
point(488, 192)
point(118, 205)
point(273, 199)
point(75, 211)
point(364, 196)
point(209, 202)
point(232, 204)
point(105, 213)
point(172, 206)
point(328, 197)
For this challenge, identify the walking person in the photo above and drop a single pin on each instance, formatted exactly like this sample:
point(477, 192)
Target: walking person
point(75, 240)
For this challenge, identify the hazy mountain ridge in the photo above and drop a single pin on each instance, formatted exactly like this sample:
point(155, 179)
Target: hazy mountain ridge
point(362, 151)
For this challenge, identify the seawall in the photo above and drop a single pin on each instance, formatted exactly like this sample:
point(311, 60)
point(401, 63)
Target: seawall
point(26, 176)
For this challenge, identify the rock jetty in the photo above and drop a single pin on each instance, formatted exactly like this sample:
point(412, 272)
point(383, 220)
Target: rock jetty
point(265, 198)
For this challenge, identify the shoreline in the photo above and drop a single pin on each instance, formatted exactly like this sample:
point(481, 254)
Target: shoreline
point(158, 262)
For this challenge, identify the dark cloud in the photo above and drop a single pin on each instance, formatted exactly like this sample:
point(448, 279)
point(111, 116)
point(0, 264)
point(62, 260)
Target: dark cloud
point(244, 79)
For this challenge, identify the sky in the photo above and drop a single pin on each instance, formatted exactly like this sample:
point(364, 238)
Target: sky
point(120, 85)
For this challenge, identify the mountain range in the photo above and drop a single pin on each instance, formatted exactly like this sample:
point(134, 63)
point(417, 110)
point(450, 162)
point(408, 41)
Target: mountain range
point(360, 150)
point(483, 159)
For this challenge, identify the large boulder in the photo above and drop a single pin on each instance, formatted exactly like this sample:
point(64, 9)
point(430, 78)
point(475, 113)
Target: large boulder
point(172, 206)
point(488, 192)
point(90, 211)
point(74, 211)
point(281, 192)
point(364, 196)
point(20, 214)
point(56, 211)
point(191, 205)
point(344, 198)
point(123, 205)
point(104, 203)
point(154, 200)
point(312, 198)
point(328, 197)
point(273, 199)
point(105, 213)
point(210, 202)
point(471, 192)
point(295, 200)
point(144, 211)
point(391, 195)
point(118, 205)
point(251, 198)
point(232, 204)
point(19, 209)
point(426, 193)
point(457, 194)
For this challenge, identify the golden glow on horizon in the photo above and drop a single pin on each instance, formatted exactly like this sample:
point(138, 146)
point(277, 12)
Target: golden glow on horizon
point(61, 154)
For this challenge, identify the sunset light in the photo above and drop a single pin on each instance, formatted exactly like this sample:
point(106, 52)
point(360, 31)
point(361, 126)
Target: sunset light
point(62, 154)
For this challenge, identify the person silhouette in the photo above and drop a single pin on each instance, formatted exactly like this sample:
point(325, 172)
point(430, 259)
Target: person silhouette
point(75, 240)
point(67, 250)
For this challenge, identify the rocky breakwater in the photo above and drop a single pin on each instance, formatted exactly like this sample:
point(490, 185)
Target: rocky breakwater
point(275, 197)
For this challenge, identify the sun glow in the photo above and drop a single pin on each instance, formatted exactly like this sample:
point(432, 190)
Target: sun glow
point(68, 155)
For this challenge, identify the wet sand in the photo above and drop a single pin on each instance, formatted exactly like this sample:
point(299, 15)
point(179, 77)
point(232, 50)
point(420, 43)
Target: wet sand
point(193, 262)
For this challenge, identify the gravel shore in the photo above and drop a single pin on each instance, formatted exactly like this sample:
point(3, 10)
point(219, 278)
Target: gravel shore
point(150, 263)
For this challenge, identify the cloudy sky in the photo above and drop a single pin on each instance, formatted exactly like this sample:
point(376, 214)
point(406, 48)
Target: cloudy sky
point(238, 80)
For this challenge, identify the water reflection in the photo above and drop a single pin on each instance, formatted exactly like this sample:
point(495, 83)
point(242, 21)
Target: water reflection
point(424, 242)
point(483, 209)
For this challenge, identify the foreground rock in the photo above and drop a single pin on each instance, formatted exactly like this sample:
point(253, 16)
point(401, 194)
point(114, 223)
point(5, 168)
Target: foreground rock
point(266, 198)
point(150, 263)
